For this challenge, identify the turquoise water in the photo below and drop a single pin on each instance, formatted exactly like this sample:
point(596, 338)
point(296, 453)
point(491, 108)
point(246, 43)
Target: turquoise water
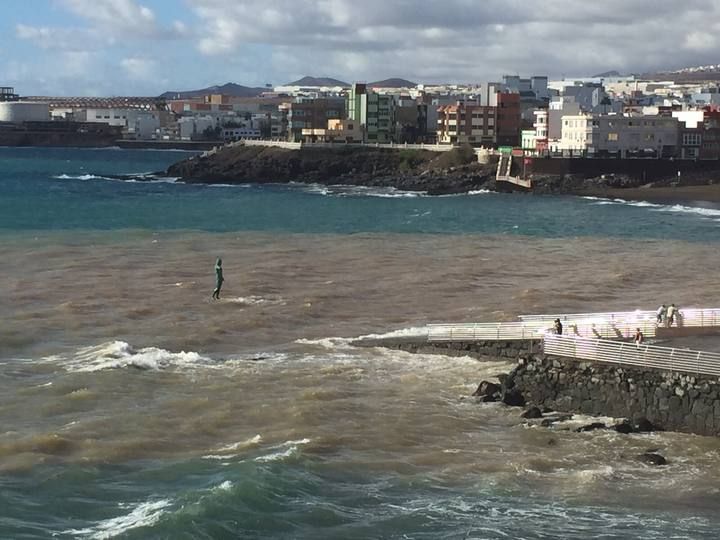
point(338, 458)
point(56, 189)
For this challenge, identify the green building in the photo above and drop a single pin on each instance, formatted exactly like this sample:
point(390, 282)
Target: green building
point(374, 112)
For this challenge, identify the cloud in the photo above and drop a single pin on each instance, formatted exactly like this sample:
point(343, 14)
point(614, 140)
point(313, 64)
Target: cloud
point(139, 68)
point(461, 39)
point(108, 22)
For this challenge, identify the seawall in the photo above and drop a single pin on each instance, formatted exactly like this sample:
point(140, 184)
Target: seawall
point(671, 401)
point(506, 350)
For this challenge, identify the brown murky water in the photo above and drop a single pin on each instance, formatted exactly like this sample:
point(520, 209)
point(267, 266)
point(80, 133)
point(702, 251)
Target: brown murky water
point(112, 351)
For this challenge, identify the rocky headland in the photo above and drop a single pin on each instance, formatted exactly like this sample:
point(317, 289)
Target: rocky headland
point(455, 171)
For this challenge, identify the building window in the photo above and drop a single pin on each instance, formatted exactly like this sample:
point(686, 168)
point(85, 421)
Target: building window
point(691, 139)
point(612, 137)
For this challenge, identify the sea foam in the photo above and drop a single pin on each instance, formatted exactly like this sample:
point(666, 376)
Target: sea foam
point(119, 354)
point(142, 515)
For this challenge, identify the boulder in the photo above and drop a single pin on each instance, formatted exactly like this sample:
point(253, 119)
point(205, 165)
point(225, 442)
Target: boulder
point(513, 398)
point(651, 458)
point(532, 412)
point(643, 425)
point(591, 427)
point(487, 388)
point(624, 427)
point(550, 420)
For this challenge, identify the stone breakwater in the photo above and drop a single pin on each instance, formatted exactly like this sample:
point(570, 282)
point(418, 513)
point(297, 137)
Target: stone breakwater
point(649, 399)
point(510, 350)
point(670, 401)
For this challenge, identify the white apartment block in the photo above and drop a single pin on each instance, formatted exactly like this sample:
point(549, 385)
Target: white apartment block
point(619, 134)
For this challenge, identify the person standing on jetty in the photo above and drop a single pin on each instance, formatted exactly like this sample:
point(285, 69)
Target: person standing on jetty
point(671, 311)
point(557, 326)
point(218, 279)
point(661, 312)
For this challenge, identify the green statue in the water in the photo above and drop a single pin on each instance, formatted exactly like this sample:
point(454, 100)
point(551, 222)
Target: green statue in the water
point(218, 279)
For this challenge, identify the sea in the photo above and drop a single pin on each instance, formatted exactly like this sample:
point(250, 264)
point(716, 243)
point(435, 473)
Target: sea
point(134, 406)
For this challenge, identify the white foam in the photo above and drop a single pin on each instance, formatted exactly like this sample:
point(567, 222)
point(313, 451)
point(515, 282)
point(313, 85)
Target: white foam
point(143, 515)
point(675, 208)
point(225, 486)
point(225, 451)
point(290, 449)
point(119, 354)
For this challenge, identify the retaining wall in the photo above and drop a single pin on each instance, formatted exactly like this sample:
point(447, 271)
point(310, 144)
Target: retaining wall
point(481, 349)
point(672, 401)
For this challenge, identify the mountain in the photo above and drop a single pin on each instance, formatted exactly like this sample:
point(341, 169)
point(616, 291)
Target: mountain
point(393, 83)
point(607, 74)
point(229, 89)
point(317, 81)
point(688, 74)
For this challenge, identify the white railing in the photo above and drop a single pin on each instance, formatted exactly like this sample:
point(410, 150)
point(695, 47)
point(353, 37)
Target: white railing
point(685, 318)
point(645, 356)
point(486, 331)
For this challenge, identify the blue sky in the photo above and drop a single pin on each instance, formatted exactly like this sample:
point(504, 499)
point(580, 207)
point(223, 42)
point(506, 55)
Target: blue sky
point(145, 47)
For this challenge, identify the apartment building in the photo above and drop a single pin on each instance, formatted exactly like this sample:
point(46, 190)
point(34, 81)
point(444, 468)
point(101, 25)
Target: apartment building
point(620, 135)
point(312, 113)
point(466, 123)
point(374, 112)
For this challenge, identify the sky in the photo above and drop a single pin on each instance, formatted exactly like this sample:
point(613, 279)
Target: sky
point(146, 47)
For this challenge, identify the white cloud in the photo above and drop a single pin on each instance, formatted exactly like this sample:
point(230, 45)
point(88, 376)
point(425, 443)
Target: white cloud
point(461, 39)
point(139, 68)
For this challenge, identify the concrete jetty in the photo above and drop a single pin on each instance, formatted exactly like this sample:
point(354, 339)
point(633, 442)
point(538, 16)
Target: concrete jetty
point(595, 367)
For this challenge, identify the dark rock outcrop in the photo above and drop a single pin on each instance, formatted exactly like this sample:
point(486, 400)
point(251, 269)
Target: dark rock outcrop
point(456, 171)
point(652, 458)
point(532, 412)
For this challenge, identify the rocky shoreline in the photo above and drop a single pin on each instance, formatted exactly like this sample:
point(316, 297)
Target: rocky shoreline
point(434, 173)
point(453, 172)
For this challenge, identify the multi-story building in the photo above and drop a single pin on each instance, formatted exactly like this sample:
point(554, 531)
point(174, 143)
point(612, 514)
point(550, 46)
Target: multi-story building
point(312, 113)
point(7, 93)
point(507, 119)
point(374, 112)
point(466, 123)
point(620, 135)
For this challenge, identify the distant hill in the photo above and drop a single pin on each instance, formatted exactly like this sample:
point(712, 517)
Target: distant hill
point(607, 74)
point(317, 81)
point(393, 83)
point(229, 89)
point(688, 74)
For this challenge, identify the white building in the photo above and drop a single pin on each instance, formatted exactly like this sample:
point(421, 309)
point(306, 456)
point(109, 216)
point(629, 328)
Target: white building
point(619, 135)
point(24, 111)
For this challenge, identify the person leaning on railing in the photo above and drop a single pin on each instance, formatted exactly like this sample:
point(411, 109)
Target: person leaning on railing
point(639, 337)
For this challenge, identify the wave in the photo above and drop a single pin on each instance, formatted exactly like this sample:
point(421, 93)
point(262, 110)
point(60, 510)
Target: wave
point(142, 515)
point(283, 451)
point(340, 342)
point(655, 207)
point(119, 355)
point(145, 177)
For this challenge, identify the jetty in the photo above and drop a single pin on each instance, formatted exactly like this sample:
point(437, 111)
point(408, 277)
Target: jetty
point(595, 367)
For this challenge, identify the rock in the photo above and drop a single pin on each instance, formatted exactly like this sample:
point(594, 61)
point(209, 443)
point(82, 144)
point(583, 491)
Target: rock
point(532, 412)
point(513, 398)
point(651, 458)
point(624, 427)
point(591, 427)
point(550, 420)
point(487, 388)
point(644, 425)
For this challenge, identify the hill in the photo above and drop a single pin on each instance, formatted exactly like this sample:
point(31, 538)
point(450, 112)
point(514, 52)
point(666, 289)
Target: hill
point(393, 83)
point(317, 81)
point(228, 89)
point(607, 74)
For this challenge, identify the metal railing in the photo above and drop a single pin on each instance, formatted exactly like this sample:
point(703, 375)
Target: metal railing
point(502, 331)
point(685, 318)
point(620, 325)
point(645, 356)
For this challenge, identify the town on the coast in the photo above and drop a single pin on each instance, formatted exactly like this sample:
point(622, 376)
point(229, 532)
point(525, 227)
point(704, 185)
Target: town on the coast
point(670, 115)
